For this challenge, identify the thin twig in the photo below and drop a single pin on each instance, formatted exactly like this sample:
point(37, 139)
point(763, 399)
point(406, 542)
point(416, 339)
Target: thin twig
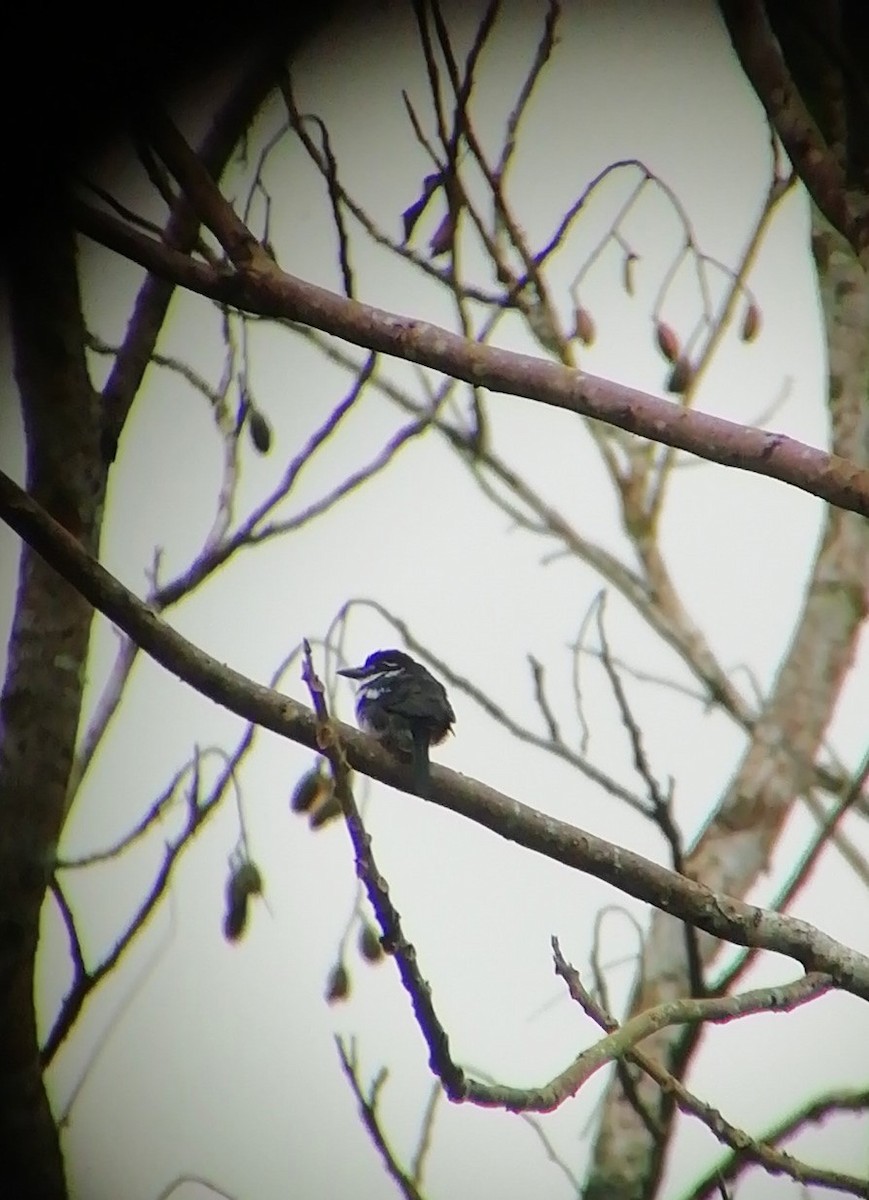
point(407, 1184)
point(773, 1160)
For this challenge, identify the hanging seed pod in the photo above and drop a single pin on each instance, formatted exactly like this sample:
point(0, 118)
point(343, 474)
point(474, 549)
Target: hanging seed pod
point(235, 921)
point(314, 794)
point(628, 273)
point(680, 377)
point(750, 323)
point(338, 986)
point(583, 325)
point(244, 881)
point(309, 790)
point(369, 943)
point(668, 342)
point(327, 809)
point(444, 236)
point(260, 430)
point(414, 211)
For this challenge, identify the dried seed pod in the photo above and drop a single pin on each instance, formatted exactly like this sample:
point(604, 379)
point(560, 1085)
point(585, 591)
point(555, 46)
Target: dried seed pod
point(414, 211)
point(628, 273)
point(444, 236)
point(750, 323)
point(370, 946)
point(583, 325)
point(680, 377)
point(235, 921)
point(338, 987)
point(310, 788)
point(327, 809)
point(244, 881)
point(260, 430)
point(314, 794)
point(668, 342)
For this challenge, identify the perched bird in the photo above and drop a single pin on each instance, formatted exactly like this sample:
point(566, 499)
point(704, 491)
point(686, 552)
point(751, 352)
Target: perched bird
point(403, 706)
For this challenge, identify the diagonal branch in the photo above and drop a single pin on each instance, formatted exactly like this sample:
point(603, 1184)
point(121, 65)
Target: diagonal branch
point(717, 914)
point(814, 1112)
point(264, 289)
point(623, 1039)
point(764, 64)
point(406, 1183)
point(746, 1150)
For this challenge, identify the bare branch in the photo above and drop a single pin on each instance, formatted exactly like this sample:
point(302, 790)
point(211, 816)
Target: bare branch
point(75, 949)
point(425, 1136)
point(814, 1112)
point(719, 915)
point(259, 286)
point(625, 1038)
point(538, 676)
point(199, 1181)
point(151, 816)
point(803, 869)
point(661, 806)
point(541, 57)
point(774, 1161)
point(407, 1184)
point(182, 234)
point(763, 62)
point(198, 811)
point(64, 1118)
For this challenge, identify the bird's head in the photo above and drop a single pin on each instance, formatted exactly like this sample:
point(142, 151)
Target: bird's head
point(381, 662)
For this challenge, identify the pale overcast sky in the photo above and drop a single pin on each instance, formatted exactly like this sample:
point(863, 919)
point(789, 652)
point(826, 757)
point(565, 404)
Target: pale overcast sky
point(222, 1062)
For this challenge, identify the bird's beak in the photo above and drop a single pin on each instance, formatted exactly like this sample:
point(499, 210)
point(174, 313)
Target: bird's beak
point(352, 672)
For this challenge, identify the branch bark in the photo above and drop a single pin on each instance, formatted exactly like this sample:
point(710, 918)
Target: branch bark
point(735, 847)
point(42, 693)
point(71, 434)
point(715, 913)
point(259, 286)
point(818, 165)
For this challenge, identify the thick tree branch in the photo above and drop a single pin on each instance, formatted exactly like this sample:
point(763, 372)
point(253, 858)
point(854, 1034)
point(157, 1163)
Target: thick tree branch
point(41, 697)
point(717, 914)
point(264, 289)
point(815, 162)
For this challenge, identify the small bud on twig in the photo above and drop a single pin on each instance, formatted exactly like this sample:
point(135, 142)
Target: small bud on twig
point(245, 881)
point(668, 342)
point(750, 323)
point(583, 325)
point(338, 987)
point(680, 377)
point(628, 273)
point(370, 946)
point(260, 430)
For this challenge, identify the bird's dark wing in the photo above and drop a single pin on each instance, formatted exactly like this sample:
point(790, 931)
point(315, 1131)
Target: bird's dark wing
point(419, 699)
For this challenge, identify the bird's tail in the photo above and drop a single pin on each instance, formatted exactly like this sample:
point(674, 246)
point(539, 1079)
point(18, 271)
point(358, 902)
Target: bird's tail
point(421, 775)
